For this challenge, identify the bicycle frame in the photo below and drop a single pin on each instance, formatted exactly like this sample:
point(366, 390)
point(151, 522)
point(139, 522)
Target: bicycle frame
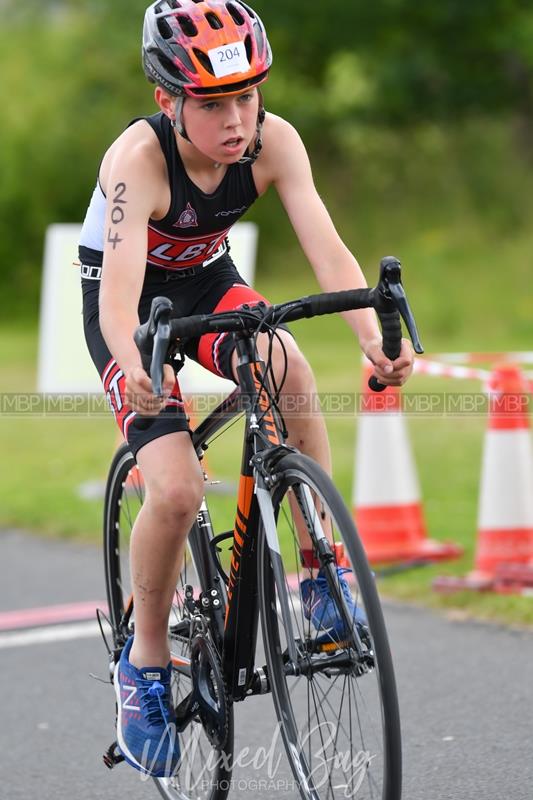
point(235, 632)
point(275, 481)
point(263, 435)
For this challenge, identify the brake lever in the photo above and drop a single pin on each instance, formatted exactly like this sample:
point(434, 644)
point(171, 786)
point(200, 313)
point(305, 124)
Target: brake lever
point(390, 287)
point(153, 339)
point(392, 298)
point(161, 344)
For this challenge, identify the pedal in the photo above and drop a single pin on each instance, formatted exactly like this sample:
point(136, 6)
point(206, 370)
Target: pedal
point(113, 756)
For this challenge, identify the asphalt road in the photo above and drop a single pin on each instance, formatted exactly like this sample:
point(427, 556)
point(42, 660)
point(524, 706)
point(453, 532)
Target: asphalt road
point(466, 695)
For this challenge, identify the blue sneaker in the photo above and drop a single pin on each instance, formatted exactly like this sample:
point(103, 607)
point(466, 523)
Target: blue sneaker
point(320, 608)
point(146, 730)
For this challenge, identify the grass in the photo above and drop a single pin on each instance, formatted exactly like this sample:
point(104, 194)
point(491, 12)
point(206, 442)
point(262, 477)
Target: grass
point(47, 459)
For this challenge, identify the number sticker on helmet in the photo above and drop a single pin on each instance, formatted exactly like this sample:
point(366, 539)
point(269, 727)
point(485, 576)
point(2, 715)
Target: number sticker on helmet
point(229, 59)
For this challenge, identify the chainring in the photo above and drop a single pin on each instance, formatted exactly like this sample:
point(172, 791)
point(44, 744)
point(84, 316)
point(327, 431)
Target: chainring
point(209, 690)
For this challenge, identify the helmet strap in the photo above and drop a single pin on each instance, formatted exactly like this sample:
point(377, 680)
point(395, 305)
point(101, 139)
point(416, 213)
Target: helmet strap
point(177, 122)
point(261, 116)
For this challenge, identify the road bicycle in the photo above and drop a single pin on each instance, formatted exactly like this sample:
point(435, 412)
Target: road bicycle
point(334, 695)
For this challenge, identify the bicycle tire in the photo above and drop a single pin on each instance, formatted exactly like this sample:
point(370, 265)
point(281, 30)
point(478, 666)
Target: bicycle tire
point(123, 499)
point(376, 774)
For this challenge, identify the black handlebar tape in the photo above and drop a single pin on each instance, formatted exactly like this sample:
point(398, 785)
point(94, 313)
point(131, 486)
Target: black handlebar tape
point(312, 306)
point(391, 329)
point(189, 327)
point(194, 327)
point(375, 385)
point(336, 302)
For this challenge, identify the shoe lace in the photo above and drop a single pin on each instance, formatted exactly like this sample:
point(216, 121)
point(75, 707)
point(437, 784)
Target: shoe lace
point(155, 705)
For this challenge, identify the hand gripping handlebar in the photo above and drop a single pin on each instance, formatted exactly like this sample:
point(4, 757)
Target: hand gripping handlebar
point(390, 302)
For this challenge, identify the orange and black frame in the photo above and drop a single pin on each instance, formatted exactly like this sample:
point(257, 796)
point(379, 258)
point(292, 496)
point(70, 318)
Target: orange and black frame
point(237, 641)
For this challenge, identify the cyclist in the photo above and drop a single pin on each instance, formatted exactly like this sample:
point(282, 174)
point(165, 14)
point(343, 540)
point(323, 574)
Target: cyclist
point(168, 191)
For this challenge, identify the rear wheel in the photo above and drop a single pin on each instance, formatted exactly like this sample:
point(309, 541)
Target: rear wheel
point(335, 697)
point(205, 769)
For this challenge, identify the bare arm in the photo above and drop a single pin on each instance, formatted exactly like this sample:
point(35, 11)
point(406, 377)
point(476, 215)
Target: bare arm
point(131, 198)
point(334, 265)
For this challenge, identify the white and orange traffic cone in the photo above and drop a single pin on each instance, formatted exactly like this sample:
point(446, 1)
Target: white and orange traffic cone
point(387, 501)
point(504, 550)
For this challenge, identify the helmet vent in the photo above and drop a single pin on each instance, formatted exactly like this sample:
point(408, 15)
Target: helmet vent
point(236, 15)
point(164, 28)
point(174, 4)
point(204, 60)
point(171, 69)
point(184, 58)
point(214, 21)
point(250, 11)
point(259, 40)
point(187, 25)
point(248, 45)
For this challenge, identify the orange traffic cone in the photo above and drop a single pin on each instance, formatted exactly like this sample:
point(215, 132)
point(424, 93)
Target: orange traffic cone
point(387, 504)
point(504, 554)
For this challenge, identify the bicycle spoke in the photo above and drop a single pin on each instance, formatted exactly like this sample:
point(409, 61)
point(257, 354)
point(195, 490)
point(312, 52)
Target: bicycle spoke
point(319, 726)
point(324, 699)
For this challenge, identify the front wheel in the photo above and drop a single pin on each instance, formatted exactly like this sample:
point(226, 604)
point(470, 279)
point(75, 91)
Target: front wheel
point(333, 686)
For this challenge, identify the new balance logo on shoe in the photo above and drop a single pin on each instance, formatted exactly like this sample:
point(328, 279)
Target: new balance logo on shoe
point(131, 691)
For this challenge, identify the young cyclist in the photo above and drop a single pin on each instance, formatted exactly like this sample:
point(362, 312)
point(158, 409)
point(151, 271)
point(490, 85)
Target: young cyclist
point(169, 189)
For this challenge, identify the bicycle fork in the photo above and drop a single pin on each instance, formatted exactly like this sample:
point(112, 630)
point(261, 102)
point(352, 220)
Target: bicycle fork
point(269, 524)
point(324, 552)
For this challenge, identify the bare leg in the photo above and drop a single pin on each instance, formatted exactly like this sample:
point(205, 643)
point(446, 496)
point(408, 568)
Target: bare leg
point(174, 488)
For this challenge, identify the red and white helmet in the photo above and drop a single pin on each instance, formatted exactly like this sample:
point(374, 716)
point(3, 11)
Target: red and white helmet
point(202, 48)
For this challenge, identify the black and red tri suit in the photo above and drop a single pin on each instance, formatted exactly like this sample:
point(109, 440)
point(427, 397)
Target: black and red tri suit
point(187, 260)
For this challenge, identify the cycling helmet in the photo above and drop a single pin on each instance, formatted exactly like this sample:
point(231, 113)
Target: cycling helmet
point(202, 48)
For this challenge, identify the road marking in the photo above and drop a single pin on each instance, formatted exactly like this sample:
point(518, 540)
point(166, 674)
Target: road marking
point(55, 633)
point(47, 615)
